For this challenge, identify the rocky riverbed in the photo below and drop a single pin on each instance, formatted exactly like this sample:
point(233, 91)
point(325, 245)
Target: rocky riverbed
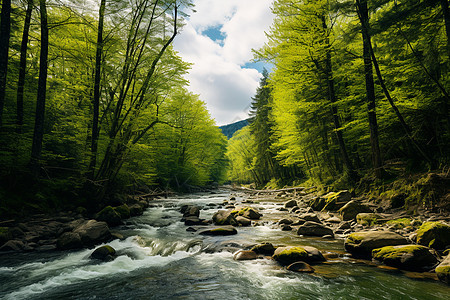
point(385, 237)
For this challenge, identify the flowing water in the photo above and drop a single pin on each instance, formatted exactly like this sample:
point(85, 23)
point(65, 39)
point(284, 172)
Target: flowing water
point(159, 259)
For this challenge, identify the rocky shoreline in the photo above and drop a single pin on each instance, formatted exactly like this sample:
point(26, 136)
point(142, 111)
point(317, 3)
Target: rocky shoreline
point(386, 237)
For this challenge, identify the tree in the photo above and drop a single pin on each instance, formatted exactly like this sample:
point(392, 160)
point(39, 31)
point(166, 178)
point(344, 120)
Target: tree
point(42, 90)
point(5, 32)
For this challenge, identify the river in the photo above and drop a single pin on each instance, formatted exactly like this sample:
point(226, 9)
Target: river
point(159, 259)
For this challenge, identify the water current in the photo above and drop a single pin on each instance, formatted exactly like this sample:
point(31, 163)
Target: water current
point(159, 259)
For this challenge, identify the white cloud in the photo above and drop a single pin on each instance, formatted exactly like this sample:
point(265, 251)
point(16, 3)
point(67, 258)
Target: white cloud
point(217, 74)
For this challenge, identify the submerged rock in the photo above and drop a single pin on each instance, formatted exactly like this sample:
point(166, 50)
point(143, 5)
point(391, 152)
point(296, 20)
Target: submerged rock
point(314, 229)
point(434, 235)
point(363, 242)
point(406, 257)
point(105, 253)
point(443, 270)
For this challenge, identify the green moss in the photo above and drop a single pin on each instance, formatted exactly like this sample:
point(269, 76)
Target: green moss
point(123, 211)
point(400, 223)
point(443, 270)
point(434, 235)
point(390, 252)
point(367, 219)
point(291, 255)
point(355, 238)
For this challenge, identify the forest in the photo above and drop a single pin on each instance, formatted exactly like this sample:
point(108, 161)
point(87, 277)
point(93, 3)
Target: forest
point(94, 102)
point(358, 96)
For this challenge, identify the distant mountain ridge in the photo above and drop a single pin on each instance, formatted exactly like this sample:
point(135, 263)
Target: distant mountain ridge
point(230, 129)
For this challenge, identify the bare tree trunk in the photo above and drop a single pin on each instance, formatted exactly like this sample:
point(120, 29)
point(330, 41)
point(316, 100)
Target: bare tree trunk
point(332, 98)
point(41, 94)
point(363, 14)
point(96, 99)
point(23, 66)
point(5, 33)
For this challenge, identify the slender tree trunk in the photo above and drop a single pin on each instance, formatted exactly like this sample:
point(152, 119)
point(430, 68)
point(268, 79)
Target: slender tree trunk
point(23, 66)
point(363, 14)
point(41, 93)
point(5, 33)
point(96, 99)
point(446, 13)
point(332, 98)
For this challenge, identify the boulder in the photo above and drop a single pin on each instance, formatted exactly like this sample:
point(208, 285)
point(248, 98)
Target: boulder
point(13, 245)
point(363, 242)
point(434, 235)
point(224, 217)
point(248, 212)
point(105, 253)
point(69, 240)
point(317, 203)
point(123, 211)
point(245, 255)
point(285, 221)
point(191, 210)
point(193, 220)
point(335, 200)
point(93, 232)
point(286, 227)
point(243, 221)
point(110, 216)
point(310, 217)
point(290, 204)
point(292, 254)
point(367, 219)
point(406, 257)
point(314, 229)
point(264, 249)
point(136, 210)
point(443, 270)
point(300, 267)
point(220, 231)
point(350, 210)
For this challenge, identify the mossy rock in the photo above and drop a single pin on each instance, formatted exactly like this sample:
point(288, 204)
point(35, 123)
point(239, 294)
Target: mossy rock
point(367, 219)
point(110, 216)
point(406, 257)
point(434, 235)
point(402, 223)
point(443, 270)
point(105, 253)
point(362, 243)
point(265, 249)
point(350, 210)
point(335, 200)
point(225, 217)
point(247, 212)
point(317, 203)
point(123, 211)
point(290, 255)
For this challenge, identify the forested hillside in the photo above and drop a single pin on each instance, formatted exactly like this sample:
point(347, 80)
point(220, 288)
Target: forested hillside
point(229, 129)
point(359, 93)
point(93, 100)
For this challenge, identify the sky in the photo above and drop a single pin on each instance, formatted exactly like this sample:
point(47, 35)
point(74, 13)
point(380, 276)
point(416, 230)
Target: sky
point(218, 39)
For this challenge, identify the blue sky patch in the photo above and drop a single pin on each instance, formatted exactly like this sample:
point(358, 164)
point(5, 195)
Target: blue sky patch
point(215, 34)
point(258, 66)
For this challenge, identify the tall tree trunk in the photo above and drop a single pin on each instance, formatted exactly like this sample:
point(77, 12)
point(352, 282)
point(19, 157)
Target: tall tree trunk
point(363, 14)
point(5, 33)
point(42, 89)
point(96, 99)
point(332, 98)
point(446, 13)
point(23, 66)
